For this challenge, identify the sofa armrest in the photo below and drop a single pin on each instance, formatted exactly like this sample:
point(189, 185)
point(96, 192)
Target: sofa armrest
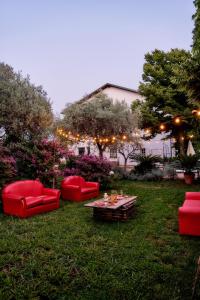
point(51, 192)
point(92, 184)
point(12, 197)
point(189, 211)
point(72, 187)
point(192, 196)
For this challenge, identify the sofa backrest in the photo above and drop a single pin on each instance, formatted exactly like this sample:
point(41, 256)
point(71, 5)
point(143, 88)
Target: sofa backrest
point(76, 180)
point(24, 188)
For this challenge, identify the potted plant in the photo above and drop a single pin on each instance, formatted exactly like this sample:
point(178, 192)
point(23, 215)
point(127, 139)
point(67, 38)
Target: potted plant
point(189, 163)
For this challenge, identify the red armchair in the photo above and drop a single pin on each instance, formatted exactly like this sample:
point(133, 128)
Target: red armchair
point(75, 188)
point(189, 214)
point(26, 198)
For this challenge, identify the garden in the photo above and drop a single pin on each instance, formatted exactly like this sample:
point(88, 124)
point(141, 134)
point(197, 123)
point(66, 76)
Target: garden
point(68, 254)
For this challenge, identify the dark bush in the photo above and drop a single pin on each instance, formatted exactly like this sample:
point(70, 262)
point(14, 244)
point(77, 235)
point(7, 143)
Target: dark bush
point(154, 175)
point(37, 160)
point(146, 163)
point(120, 173)
point(7, 165)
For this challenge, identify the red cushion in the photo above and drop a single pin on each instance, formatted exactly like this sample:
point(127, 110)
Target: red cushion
point(88, 190)
point(48, 199)
point(33, 201)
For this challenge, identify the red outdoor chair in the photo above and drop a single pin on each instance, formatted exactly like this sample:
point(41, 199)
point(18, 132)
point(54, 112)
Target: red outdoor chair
point(189, 214)
point(75, 188)
point(26, 198)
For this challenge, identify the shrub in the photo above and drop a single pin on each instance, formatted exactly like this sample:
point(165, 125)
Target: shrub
point(92, 168)
point(154, 175)
point(37, 160)
point(120, 173)
point(146, 163)
point(7, 165)
point(189, 162)
point(170, 169)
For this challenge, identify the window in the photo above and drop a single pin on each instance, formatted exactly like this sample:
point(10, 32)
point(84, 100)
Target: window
point(143, 151)
point(113, 152)
point(81, 150)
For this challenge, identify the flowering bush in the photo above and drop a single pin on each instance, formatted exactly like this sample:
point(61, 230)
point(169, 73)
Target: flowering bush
point(38, 160)
point(92, 168)
point(7, 165)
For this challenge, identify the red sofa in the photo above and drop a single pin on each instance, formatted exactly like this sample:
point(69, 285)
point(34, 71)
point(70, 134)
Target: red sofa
point(26, 198)
point(75, 188)
point(189, 214)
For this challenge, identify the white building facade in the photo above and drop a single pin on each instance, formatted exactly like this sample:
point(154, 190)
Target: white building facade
point(155, 146)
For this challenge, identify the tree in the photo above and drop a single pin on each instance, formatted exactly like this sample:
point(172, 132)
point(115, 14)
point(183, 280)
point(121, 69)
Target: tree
point(196, 30)
point(100, 119)
point(192, 67)
point(127, 150)
point(166, 107)
point(25, 110)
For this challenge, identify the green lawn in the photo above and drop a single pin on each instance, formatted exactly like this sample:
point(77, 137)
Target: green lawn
point(65, 254)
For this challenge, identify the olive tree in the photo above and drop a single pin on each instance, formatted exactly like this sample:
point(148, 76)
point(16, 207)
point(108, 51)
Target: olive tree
point(102, 119)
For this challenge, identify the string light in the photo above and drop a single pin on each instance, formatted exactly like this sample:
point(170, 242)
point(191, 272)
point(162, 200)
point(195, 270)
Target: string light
point(70, 136)
point(162, 127)
point(196, 112)
point(147, 131)
point(77, 137)
point(177, 120)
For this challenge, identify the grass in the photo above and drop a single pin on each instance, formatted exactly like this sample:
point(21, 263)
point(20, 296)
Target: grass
point(66, 254)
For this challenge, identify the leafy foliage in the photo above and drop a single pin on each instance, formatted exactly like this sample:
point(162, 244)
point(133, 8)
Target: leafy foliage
point(37, 160)
point(145, 162)
point(196, 30)
point(7, 165)
point(153, 175)
point(25, 110)
point(192, 67)
point(188, 162)
point(92, 168)
point(166, 97)
point(99, 117)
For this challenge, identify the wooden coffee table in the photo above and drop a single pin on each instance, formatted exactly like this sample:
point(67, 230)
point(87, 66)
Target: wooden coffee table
point(120, 211)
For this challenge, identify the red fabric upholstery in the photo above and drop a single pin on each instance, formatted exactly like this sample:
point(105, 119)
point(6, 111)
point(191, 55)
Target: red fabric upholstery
point(75, 188)
point(189, 214)
point(26, 198)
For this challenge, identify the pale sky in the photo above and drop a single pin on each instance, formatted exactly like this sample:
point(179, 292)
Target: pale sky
point(74, 47)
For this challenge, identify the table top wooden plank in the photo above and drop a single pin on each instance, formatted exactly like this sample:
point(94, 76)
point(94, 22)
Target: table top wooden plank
point(100, 203)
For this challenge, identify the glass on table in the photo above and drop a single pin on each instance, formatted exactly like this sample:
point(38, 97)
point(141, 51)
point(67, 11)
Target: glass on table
point(113, 196)
point(121, 193)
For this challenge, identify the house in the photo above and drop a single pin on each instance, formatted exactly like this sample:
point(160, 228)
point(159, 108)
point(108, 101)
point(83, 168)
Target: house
point(155, 146)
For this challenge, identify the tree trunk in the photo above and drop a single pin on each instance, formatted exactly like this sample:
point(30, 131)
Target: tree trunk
point(182, 147)
point(101, 150)
point(125, 163)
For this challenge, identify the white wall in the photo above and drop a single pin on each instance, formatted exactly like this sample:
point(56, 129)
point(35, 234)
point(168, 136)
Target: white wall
point(120, 95)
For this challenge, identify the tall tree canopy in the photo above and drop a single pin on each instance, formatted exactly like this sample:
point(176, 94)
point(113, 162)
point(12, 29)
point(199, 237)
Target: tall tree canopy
point(25, 110)
point(196, 30)
point(166, 100)
point(101, 119)
point(192, 67)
